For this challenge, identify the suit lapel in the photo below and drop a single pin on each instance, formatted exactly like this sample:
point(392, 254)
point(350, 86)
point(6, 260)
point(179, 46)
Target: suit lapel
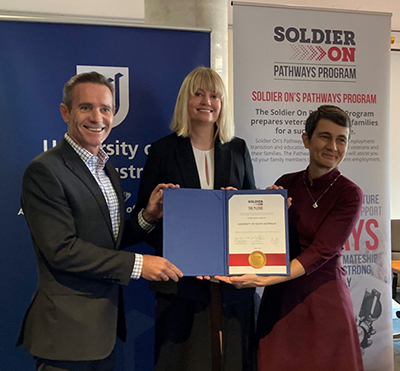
point(115, 181)
point(222, 165)
point(187, 163)
point(78, 167)
point(188, 169)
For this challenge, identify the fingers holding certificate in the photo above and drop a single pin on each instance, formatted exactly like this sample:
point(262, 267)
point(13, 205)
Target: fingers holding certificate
point(257, 232)
point(246, 231)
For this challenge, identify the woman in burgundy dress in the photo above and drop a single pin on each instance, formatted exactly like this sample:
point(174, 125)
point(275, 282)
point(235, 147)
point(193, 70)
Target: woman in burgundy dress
point(306, 320)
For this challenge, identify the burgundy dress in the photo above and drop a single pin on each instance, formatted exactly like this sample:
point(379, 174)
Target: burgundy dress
point(308, 324)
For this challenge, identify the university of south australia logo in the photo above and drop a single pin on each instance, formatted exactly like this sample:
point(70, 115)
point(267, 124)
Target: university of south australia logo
point(119, 77)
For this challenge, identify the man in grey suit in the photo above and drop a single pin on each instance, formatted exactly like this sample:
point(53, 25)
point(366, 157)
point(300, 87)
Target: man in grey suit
point(74, 207)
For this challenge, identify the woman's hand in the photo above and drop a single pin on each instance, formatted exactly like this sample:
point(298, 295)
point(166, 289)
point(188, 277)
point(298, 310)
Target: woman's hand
point(241, 282)
point(229, 188)
point(154, 208)
point(274, 186)
point(289, 199)
point(253, 280)
point(208, 278)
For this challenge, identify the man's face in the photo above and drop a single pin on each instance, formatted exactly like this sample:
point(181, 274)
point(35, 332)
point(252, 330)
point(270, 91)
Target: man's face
point(91, 115)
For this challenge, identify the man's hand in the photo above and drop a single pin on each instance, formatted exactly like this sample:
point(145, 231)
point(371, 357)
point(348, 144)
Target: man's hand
point(154, 208)
point(156, 268)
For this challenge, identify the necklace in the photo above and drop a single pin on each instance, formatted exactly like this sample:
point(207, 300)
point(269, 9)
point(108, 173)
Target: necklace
point(315, 204)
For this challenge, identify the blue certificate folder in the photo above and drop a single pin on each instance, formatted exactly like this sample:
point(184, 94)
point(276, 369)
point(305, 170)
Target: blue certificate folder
point(195, 229)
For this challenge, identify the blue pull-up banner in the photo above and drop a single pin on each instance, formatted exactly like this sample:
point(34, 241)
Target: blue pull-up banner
point(147, 66)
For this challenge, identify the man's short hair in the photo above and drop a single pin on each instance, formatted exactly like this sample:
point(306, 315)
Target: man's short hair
point(86, 77)
point(328, 112)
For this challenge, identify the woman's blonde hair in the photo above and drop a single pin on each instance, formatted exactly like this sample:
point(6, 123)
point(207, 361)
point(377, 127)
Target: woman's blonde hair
point(209, 80)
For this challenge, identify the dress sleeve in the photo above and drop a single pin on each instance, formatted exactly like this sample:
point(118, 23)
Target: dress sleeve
point(335, 229)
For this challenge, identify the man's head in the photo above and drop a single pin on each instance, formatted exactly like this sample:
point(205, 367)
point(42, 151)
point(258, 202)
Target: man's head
point(88, 109)
point(93, 77)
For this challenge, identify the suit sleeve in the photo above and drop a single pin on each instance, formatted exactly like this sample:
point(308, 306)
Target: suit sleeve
point(249, 181)
point(151, 177)
point(53, 220)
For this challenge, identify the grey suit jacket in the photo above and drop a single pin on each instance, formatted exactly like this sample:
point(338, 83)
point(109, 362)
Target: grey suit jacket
point(74, 312)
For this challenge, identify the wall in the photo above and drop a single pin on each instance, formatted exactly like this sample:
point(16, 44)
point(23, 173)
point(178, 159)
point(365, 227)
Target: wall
point(134, 9)
point(395, 135)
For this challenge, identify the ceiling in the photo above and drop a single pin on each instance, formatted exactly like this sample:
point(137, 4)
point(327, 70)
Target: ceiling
point(386, 6)
point(134, 9)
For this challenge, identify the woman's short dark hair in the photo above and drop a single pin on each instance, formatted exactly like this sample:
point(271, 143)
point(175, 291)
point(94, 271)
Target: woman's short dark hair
point(332, 113)
point(86, 77)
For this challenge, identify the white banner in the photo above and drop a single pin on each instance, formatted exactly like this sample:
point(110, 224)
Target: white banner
point(287, 62)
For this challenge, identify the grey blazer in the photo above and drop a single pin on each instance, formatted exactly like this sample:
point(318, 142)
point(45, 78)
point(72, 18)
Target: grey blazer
point(76, 310)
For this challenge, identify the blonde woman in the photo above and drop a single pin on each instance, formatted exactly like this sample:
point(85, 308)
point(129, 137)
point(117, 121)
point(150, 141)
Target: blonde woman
point(200, 325)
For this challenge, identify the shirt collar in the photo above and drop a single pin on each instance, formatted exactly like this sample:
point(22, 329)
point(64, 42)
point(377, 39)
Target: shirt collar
point(87, 157)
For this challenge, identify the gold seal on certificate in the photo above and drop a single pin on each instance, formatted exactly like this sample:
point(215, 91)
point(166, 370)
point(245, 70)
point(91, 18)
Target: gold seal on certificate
point(257, 259)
